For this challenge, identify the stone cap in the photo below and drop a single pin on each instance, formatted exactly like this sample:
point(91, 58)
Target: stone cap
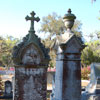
point(63, 40)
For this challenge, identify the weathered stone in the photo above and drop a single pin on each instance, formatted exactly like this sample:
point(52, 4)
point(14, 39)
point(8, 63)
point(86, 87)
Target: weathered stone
point(30, 83)
point(8, 89)
point(31, 56)
point(69, 19)
point(68, 67)
point(31, 61)
point(30, 46)
point(32, 19)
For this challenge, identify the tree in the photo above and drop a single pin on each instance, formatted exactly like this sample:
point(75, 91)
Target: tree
point(6, 45)
point(91, 53)
point(53, 25)
point(47, 42)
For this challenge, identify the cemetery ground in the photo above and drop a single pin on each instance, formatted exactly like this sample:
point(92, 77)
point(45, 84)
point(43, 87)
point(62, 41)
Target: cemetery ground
point(8, 74)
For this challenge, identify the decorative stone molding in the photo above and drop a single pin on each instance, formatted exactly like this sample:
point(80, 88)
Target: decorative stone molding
point(31, 45)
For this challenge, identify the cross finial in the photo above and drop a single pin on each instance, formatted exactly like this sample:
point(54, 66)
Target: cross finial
point(32, 19)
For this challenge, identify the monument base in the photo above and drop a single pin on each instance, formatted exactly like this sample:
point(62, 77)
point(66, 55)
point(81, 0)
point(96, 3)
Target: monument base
point(30, 83)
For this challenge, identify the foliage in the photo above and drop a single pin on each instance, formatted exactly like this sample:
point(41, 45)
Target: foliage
point(85, 72)
point(1, 86)
point(53, 25)
point(91, 53)
point(94, 36)
point(47, 42)
point(98, 34)
point(6, 45)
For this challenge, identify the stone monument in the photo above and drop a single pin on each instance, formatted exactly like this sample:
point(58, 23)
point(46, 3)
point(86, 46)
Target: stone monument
point(31, 60)
point(68, 48)
point(92, 91)
point(8, 89)
point(8, 94)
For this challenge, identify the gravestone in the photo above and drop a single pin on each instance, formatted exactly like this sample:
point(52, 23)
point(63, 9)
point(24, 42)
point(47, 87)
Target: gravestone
point(8, 89)
point(92, 91)
point(68, 48)
point(31, 60)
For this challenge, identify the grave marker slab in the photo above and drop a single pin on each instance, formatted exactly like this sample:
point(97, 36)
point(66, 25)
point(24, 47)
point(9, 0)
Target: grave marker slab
point(8, 88)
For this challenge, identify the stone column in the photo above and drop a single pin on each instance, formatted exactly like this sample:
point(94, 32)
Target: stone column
point(68, 63)
point(31, 60)
point(59, 77)
point(71, 77)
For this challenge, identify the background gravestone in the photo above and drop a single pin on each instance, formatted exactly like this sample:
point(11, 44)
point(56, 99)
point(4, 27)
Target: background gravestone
point(8, 89)
point(68, 48)
point(93, 89)
point(31, 61)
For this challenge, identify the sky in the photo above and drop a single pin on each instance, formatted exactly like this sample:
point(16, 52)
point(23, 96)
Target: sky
point(13, 13)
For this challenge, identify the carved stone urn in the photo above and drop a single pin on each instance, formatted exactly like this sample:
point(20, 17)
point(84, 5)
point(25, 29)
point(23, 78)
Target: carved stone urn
point(69, 19)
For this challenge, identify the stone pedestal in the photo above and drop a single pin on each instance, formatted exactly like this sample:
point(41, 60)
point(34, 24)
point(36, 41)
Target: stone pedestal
point(68, 48)
point(71, 77)
point(68, 70)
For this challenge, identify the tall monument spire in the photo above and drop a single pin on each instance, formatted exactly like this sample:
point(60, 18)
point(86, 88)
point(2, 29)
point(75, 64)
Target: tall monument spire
point(32, 19)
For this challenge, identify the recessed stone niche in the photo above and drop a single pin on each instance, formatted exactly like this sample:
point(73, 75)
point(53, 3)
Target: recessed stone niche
point(31, 56)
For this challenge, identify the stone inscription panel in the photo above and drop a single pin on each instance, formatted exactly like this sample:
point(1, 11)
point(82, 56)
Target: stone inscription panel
point(30, 84)
point(71, 81)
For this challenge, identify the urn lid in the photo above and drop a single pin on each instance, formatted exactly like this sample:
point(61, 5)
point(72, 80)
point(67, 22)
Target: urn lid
point(69, 15)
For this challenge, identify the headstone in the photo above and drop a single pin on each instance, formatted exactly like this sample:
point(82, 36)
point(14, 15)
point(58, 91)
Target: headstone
point(8, 89)
point(93, 89)
point(31, 61)
point(68, 48)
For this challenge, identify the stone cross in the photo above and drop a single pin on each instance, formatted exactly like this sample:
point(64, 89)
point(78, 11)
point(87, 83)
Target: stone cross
point(32, 19)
